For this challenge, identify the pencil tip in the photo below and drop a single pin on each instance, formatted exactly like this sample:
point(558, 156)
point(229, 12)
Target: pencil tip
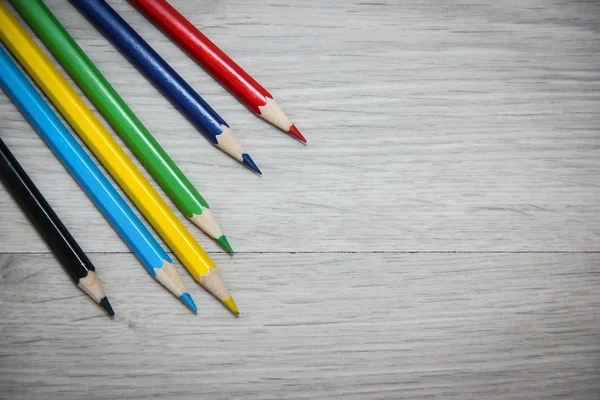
point(225, 244)
point(230, 304)
point(189, 302)
point(106, 305)
point(250, 163)
point(296, 133)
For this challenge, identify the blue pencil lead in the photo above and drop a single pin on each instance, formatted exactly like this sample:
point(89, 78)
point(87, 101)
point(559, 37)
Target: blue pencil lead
point(250, 163)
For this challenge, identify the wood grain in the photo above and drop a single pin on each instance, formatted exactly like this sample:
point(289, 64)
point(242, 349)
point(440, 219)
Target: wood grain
point(430, 127)
point(396, 326)
point(439, 237)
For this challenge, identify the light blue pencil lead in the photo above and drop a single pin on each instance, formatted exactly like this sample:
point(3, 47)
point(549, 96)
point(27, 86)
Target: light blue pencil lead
point(188, 301)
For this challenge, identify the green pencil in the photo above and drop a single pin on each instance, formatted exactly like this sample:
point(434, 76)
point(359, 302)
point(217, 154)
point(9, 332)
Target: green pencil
point(120, 117)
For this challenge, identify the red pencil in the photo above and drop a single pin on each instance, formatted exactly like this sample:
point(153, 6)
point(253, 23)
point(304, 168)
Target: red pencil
point(216, 63)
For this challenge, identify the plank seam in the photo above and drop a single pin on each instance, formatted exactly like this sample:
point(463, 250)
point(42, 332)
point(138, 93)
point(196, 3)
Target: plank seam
point(339, 252)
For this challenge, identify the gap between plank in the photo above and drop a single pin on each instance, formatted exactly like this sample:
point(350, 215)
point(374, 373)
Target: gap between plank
point(340, 252)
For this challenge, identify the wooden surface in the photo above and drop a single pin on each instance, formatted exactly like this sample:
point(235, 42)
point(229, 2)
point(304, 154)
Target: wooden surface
point(439, 237)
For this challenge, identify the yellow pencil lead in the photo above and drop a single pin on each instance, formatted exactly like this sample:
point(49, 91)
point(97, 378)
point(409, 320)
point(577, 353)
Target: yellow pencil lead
point(230, 304)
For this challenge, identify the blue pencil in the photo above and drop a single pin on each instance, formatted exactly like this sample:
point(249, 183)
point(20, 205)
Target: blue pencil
point(90, 178)
point(160, 73)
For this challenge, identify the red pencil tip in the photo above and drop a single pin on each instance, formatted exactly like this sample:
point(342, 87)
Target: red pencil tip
point(296, 133)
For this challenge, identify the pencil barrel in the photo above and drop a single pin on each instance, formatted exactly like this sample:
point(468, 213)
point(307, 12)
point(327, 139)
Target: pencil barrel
point(42, 216)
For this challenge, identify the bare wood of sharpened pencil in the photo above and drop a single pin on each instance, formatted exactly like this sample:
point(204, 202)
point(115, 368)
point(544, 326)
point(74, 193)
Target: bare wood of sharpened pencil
point(92, 286)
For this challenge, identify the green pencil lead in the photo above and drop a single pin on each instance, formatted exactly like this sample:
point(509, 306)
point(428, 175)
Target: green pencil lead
point(225, 244)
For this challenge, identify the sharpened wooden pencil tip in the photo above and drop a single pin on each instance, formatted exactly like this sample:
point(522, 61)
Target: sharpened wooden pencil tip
point(225, 244)
point(106, 305)
point(296, 133)
point(248, 162)
point(230, 304)
point(189, 302)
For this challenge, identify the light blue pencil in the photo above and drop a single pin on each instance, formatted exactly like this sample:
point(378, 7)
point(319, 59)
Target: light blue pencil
point(90, 178)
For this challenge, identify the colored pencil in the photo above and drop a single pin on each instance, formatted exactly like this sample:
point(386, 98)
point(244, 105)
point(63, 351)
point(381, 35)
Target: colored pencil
point(88, 176)
point(50, 228)
point(114, 159)
point(120, 117)
point(216, 63)
point(160, 73)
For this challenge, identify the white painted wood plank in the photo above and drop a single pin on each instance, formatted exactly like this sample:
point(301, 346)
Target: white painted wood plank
point(351, 326)
point(431, 126)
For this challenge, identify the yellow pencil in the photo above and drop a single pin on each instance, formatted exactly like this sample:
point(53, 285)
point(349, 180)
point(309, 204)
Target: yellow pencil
point(114, 159)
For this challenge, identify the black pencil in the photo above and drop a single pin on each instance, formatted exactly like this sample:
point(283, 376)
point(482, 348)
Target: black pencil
point(52, 230)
